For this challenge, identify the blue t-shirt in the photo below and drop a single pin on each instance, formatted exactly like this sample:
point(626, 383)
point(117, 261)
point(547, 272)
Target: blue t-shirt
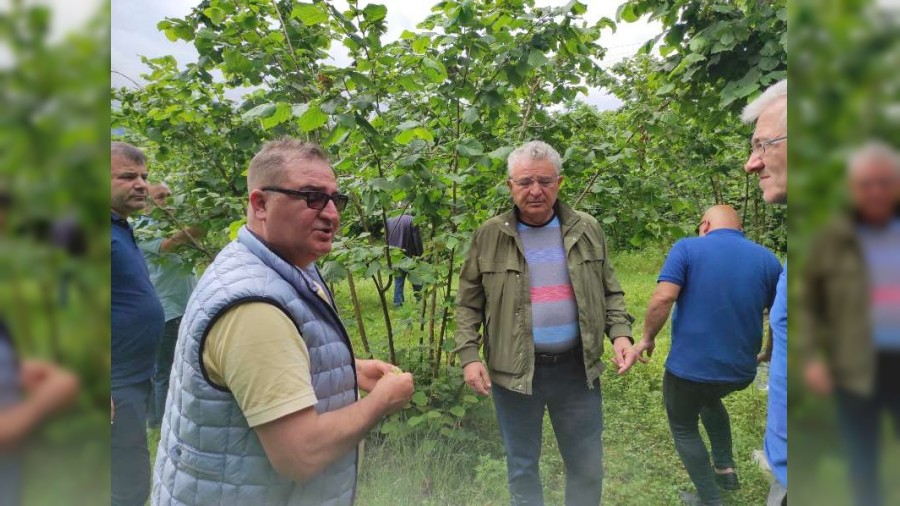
point(727, 282)
point(137, 315)
point(776, 425)
point(10, 395)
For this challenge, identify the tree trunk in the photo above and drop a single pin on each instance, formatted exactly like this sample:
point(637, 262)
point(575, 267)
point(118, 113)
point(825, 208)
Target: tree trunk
point(357, 312)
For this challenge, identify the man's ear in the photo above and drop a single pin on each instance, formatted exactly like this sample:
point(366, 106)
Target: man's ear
point(560, 181)
point(258, 203)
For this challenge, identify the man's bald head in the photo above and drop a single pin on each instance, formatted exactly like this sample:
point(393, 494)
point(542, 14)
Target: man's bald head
point(717, 217)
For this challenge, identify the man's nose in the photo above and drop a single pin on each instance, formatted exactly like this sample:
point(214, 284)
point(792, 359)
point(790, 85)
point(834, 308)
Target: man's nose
point(754, 163)
point(330, 212)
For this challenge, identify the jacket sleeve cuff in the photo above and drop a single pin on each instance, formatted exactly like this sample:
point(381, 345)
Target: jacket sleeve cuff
point(620, 330)
point(468, 355)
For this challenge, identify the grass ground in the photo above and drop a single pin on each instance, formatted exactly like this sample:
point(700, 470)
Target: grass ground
point(642, 468)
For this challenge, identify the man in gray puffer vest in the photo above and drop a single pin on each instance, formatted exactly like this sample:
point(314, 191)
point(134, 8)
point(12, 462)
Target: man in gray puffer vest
point(263, 406)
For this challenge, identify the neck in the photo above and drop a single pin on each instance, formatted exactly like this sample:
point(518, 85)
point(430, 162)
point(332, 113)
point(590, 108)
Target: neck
point(535, 222)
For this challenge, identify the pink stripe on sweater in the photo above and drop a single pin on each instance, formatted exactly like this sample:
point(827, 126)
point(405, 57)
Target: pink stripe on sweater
point(552, 293)
point(886, 295)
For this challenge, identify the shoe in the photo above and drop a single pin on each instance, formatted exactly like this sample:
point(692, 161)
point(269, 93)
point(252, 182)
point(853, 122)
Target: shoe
point(692, 499)
point(728, 481)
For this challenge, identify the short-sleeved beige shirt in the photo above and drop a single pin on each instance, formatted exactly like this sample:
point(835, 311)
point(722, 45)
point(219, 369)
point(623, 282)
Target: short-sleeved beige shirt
point(256, 352)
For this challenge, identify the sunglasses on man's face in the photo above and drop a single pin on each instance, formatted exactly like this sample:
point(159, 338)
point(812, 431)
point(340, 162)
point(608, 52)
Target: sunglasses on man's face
point(314, 199)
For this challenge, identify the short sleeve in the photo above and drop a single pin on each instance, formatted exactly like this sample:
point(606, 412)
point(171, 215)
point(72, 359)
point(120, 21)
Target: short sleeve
point(256, 351)
point(675, 268)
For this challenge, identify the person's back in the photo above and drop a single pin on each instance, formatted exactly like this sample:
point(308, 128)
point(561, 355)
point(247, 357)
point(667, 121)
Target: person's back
point(727, 282)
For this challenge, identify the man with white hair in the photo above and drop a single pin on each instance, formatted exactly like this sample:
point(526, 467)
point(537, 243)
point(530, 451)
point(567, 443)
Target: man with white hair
point(539, 284)
point(768, 160)
point(850, 332)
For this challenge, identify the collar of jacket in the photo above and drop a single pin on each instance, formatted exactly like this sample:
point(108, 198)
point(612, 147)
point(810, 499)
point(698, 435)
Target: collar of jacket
point(568, 218)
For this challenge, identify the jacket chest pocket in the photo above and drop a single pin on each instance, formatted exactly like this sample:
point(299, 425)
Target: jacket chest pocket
point(501, 280)
point(587, 281)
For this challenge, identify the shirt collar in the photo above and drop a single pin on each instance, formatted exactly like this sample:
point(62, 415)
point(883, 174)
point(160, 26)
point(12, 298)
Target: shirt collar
point(726, 231)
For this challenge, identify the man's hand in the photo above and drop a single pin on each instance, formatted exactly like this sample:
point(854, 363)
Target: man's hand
point(477, 378)
point(368, 372)
point(817, 377)
point(764, 356)
point(637, 354)
point(623, 355)
point(53, 387)
point(394, 391)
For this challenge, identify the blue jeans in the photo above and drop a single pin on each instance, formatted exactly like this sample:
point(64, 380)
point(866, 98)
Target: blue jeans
point(577, 417)
point(130, 473)
point(860, 422)
point(399, 281)
point(164, 356)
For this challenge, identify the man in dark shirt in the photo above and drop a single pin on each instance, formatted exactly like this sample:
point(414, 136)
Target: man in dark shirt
point(401, 233)
point(137, 325)
point(721, 284)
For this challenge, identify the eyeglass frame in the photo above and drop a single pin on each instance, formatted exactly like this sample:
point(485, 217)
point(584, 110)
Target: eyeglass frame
point(760, 147)
point(532, 180)
point(340, 199)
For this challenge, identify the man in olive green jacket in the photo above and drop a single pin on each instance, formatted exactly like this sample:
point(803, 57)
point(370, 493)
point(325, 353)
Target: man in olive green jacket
point(538, 280)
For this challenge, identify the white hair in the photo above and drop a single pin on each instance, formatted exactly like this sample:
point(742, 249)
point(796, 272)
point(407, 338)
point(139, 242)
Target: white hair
point(534, 150)
point(873, 151)
point(773, 95)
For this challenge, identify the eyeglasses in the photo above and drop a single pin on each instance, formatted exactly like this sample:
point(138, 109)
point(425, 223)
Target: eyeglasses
point(314, 199)
point(759, 148)
point(526, 182)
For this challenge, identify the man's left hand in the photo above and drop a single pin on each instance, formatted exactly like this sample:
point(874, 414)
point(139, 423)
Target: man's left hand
point(368, 372)
point(623, 355)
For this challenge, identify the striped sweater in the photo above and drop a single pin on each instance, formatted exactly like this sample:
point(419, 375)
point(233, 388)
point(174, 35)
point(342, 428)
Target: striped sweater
point(554, 313)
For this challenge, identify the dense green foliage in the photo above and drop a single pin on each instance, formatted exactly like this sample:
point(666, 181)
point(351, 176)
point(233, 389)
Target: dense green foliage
point(425, 123)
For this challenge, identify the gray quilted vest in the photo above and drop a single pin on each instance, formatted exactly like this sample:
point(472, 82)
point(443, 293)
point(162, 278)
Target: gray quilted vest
point(207, 453)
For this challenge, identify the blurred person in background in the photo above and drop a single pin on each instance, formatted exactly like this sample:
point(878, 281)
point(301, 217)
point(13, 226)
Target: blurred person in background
point(30, 392)
point(137, 324)
point(402, 233)
point(851, 314)
point(174, 280)
point(721, 284)
point(768, 160)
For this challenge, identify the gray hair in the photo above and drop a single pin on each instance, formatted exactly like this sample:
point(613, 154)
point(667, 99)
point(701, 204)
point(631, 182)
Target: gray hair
point(128, 152)
point(773, 95)
point(268, 166)
point(874, 151)
point(534, 150)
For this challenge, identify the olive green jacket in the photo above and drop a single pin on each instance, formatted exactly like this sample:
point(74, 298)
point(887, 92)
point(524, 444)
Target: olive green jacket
point(835, 322)
point(494, 294)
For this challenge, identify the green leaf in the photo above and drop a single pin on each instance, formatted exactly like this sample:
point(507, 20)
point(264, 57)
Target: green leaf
point(434, 70)
point(406, 136)
point(374, 12)
point(501, 153)
point(626, 13)
point(458, 411)
point(421, 44)
point(470, 115)
point(415, 420)
point(419, 398)
point(215, 14)
point(309, 14)
point(665, 89)
point(312, 119)
point(260, 111)
point(537, 59)
point(281, 114)
point(469, 147)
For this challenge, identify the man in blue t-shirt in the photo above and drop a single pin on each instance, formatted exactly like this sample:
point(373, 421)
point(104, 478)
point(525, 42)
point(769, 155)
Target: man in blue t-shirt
point(137, 325)
point(721, 285)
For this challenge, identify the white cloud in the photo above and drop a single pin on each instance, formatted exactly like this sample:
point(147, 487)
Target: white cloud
point(134, 33)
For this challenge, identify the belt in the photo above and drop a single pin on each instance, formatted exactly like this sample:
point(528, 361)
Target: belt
point(555, 358)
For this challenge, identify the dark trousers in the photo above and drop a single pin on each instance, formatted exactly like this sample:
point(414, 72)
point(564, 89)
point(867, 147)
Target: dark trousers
point(130, 457)
point(577, 417)
point(399, 281)
point(860, 419)
point(164, 356)
point(686, 402)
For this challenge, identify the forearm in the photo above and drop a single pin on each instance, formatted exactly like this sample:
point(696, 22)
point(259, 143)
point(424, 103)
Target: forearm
point(17, 422)
point(655, 319)
point(331, 436)
point(468, 340)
